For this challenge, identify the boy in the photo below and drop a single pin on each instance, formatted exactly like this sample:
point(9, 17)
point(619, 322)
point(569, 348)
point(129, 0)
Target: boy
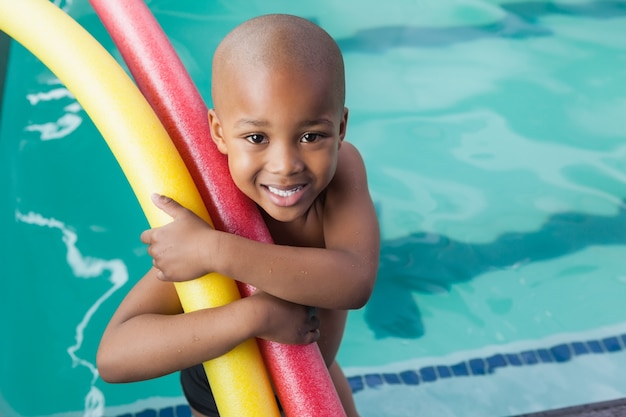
point(278, 93)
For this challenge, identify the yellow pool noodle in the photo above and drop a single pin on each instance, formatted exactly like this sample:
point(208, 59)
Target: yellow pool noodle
point(150, 162)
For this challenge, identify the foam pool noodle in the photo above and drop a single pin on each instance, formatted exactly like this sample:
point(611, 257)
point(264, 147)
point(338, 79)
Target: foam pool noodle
point(299, 374)
point(150, 162)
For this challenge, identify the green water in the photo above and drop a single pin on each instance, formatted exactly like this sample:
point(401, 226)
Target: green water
point(494, 139)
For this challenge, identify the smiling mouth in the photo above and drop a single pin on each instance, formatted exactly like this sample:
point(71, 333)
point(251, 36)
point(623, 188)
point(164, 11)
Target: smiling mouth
point(284, 193)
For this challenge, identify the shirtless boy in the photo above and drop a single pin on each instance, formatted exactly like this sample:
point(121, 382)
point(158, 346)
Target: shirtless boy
point(279, 117)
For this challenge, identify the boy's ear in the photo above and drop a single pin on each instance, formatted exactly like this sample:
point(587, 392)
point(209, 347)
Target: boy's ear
point(343, 125)
point(216, 132)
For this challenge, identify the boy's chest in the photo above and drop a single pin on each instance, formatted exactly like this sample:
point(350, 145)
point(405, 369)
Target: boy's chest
point(306, 232)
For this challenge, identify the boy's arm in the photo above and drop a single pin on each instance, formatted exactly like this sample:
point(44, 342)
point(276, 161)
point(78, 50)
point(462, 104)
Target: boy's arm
point(148, 336)
point(339, 276)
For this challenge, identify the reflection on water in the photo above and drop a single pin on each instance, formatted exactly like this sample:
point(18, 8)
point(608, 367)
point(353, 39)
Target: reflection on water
point(520, 20)
point(84, 267)
point(552, 163)
point(433, 263)
point(67, 122)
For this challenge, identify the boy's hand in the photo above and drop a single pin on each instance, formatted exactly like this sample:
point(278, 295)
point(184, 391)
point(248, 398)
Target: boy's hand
point(176, 248)
point(284, 322)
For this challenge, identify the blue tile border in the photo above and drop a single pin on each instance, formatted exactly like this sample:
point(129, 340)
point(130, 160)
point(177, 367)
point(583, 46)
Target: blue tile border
point(559, 353)
point(176, 411)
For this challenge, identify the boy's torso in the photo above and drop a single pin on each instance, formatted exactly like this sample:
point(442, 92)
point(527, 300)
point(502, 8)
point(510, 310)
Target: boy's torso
point(309, 232)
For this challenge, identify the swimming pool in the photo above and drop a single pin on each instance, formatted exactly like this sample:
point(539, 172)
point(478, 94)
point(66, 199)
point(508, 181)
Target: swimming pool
point(494, 141)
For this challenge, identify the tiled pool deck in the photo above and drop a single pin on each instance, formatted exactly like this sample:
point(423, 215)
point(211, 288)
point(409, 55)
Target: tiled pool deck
point(559, 353)
point(615, 408)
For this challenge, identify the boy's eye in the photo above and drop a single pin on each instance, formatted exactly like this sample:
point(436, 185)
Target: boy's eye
point(310, 137)
point(256, 139)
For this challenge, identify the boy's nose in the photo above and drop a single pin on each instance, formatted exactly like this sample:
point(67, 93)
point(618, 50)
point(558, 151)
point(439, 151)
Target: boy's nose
point(284, 160)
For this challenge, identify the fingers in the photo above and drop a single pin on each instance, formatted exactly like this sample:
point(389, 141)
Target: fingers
point(313, 336)
point(159, 274)
point(282, 321)
point(167, 204)
point(145, 236)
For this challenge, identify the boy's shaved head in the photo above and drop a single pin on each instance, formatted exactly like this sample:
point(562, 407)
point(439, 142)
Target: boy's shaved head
point(275, 43)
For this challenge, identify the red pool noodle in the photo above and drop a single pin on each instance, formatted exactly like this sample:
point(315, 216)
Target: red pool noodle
point(299, 374)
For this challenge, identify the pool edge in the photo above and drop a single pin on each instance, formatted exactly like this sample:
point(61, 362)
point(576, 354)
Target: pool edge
point(600, 409)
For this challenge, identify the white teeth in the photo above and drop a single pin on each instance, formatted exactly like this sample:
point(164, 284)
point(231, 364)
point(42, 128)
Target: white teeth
point(284, 193)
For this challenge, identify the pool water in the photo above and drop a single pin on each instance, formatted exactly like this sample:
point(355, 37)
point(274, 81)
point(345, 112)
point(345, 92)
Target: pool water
point(494, 138)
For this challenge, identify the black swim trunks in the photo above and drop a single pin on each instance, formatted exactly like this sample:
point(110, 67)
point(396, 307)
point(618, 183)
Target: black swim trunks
point(198, 392)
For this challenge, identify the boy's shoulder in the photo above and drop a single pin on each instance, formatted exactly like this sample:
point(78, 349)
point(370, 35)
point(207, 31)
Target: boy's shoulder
point(350, 170)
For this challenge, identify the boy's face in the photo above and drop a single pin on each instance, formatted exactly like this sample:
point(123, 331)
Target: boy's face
point(282, 131)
